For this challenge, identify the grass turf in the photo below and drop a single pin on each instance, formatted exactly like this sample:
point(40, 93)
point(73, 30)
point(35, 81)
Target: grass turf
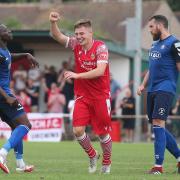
point(67, 161)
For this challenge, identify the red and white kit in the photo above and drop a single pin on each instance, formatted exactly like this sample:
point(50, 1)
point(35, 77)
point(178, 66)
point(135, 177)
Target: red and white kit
point(92, 105)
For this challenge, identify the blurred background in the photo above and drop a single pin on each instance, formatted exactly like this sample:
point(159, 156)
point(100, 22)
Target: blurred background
point(122, 25)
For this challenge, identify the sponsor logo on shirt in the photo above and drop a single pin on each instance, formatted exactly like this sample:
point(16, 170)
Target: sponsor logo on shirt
point(92, 56)
point(155, 54)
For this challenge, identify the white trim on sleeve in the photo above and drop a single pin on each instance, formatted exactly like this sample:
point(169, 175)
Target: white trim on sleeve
point(102, 61)
point(67, 42)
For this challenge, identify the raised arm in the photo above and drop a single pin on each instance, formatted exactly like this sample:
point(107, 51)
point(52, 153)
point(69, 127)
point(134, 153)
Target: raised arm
point(54, 29)
point(31, 59)
point(143, 84)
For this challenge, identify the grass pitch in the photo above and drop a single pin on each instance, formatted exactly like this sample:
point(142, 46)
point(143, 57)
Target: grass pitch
point(67, 161)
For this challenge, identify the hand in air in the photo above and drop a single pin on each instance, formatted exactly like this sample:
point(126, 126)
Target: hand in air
point(54, 17)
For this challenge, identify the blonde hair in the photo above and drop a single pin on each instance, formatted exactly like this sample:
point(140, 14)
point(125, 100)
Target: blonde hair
point(84, 23)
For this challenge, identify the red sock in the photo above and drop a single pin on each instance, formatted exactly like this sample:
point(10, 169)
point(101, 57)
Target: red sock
point(106, 145)
point(85, 142)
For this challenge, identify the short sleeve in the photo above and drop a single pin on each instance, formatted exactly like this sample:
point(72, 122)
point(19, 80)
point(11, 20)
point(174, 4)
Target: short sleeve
point(175, 49)
point(102, 54)
point(71, 42)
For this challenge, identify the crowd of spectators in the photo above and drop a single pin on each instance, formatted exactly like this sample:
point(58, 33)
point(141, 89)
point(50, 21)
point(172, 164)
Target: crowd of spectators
point(30, 86)
point(48, 84)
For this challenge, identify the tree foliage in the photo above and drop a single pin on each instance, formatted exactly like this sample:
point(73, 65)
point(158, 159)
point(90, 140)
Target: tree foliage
point(174, 4)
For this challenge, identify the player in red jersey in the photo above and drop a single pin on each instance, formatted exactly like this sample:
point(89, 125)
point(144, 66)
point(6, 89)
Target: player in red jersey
point(92, 88)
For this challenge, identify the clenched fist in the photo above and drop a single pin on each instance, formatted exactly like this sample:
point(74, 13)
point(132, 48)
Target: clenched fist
point(54, 17)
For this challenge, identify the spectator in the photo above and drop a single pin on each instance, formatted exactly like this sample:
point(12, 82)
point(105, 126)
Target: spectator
point(35, 75)
point(50, 75)
point(56, 100)
point(115, 89)
point(67, 87)
point(33, 92)
point(20, 76)
point(128, 108)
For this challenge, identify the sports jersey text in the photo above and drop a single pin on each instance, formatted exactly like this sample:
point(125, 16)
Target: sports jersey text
point(88, 65)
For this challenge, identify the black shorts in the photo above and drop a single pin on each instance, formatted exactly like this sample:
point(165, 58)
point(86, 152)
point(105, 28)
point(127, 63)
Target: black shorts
point(9, 113)
point(158, 105)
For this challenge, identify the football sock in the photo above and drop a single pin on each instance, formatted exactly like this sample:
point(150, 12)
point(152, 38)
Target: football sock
point(159, 144)
point(85, 142)
point(171, 145)
point(16, 136)
point(106, 145)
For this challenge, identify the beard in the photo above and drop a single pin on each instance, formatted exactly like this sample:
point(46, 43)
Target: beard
point(156, 36)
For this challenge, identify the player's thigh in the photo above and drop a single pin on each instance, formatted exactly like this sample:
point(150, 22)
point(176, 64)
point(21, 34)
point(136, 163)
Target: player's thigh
point(101, 119)
point(162, 104)
point(14, 116)
point(81, 113)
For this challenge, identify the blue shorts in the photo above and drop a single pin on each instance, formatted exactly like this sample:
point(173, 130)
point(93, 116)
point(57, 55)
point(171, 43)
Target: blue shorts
point(10, 113)
point(158, 105)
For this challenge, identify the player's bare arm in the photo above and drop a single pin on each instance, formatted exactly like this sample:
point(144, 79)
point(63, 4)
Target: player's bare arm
point(95, 73)
point(10, 100)
point(31, 59)
point(143, 84)
point(178, 66)
point(54, 29)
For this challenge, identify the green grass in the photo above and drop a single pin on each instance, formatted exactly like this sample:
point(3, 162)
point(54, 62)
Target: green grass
point(66, 161)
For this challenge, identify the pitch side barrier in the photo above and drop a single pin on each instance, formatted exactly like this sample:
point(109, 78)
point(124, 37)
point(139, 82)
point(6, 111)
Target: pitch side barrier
point(129, 117)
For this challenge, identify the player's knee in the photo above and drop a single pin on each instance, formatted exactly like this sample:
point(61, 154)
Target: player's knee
point(78, 131)
point(159, 122)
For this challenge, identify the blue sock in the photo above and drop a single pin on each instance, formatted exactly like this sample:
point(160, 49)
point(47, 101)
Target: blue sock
point(18, 150)
point(16, 136)
point(159, 144)
point(171, 144)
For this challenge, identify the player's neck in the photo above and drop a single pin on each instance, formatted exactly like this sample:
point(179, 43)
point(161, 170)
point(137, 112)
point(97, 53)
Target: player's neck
point(164, 35)
point(88, 46)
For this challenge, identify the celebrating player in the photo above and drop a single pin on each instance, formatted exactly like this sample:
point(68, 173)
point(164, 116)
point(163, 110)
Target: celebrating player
point(92, 88)
point(161, 78)
point(11, 111)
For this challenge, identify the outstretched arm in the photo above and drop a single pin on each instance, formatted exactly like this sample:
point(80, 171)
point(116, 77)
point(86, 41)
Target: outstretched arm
point(95, 73)
point(28, 56)
point(54, 29)
point(143, 84)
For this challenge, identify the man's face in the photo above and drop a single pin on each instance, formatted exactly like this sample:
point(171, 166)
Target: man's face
point(5, 33)
point(154, 29)
point(83, 35)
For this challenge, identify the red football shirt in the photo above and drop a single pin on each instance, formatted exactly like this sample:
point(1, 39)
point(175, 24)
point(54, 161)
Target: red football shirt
point(86, 61)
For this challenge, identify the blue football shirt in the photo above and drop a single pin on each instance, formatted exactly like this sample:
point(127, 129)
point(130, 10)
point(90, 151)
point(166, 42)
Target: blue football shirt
point(163, 73)
point(5, 65)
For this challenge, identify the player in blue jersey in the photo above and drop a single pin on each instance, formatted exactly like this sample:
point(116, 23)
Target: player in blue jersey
point(11, 111)
point(161, 81)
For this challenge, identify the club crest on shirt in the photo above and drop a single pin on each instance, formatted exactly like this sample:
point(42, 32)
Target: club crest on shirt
point(163, 46)
point(92, 56)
